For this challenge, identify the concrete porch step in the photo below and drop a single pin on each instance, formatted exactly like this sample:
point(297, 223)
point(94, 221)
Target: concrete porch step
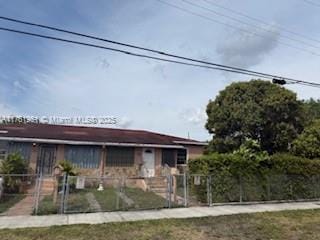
point(47, 185)
point(158, 185)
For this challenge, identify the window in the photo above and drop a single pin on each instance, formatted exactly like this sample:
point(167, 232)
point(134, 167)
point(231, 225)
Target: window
point(83, 156)
point(3, 150)
point(120, 157)
point(3, 154)
point(148, 151)
point(168, 157)
point(182, 157)
point(22, 148)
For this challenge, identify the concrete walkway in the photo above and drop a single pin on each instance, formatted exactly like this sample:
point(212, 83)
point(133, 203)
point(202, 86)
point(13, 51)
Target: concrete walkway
point(93, 203)
point(96, 218)
point(23, 207)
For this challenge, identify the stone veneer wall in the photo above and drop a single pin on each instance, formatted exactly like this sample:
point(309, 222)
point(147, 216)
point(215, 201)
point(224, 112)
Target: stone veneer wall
point(133, 171)
point(92, 172)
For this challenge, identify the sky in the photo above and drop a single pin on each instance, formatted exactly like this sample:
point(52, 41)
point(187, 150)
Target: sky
point(40, 77)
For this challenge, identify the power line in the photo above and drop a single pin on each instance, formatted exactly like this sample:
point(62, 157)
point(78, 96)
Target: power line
point(131, 53)
point(135, 46)
point(248, 24)
point(234, 27)
point(261, 21)
point(216, 66)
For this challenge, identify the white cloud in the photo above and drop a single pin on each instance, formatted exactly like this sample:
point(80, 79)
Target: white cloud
point(102, 63)
point(18, 86)
point(196, 116)
point(246, 50)
point(5, 110)
point(124, 122)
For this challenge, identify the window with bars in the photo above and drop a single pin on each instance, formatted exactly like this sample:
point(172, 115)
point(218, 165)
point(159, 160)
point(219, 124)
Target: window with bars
point(83, 156)
point(22, 148)
point(3, 150)
point(3, 154)
point(120, 157)
point(182, 157)
point(168, 157)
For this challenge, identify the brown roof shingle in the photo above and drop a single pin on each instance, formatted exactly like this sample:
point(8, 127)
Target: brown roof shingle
point(88, 134)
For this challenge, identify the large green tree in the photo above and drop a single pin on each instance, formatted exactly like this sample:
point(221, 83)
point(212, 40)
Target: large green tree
point(258, 110)
point(308, 142)
point(312, 110)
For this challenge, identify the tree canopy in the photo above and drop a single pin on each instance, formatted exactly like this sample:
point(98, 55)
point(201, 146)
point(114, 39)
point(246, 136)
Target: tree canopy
point(308, 142)
point(312, 110)
point(258, 110)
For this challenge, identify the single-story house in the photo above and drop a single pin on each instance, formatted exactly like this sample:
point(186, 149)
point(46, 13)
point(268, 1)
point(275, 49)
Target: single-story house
point(97, 151)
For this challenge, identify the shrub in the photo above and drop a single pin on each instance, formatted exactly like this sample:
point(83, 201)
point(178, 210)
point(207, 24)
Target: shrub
point(307, 143)
point(13, 164)
point(67, 167)
point(257, 176)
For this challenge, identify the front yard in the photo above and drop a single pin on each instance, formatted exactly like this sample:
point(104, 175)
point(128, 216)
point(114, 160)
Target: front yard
point(303, 224)
point(144, 200)
point(8, 201)
point(110, 199)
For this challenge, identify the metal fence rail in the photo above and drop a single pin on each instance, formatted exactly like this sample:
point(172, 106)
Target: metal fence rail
point(41, 195)
point(18, 194)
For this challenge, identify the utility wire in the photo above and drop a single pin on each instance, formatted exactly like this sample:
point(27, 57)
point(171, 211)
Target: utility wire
point(249, 24)
point(216, 66)
point(234, 27)
point(261, 21)
point(129, 53)
point(136, 47)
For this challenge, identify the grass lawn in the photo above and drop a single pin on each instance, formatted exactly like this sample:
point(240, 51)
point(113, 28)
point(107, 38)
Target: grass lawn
point(8, 201)
point(108, 199)
point(46, 206)
point(144, 200)
point(277, 226)
point(77, 202)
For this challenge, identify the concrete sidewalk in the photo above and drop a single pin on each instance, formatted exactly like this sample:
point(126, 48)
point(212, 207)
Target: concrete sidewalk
point(106, 217)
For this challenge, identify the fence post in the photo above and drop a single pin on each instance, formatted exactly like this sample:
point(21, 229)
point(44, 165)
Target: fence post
point(63, 195)
point(209, 190)
point(37, 193)
point(268, 188)
point(169, 190)
point(240, 189)
point(118, 194)
point(174, 188)
point(185, 190)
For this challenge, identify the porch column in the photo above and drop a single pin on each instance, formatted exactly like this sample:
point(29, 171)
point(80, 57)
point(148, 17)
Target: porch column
point(158, 161)
point(102, 160)
point(60, 153)
point(34, 157)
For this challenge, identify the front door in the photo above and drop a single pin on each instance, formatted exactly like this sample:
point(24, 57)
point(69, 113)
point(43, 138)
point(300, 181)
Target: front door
point(46, 159)
point(148, 162)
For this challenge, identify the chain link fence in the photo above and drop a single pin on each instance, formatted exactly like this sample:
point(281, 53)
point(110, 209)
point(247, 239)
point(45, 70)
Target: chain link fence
point(18, 194)
point(42, 195)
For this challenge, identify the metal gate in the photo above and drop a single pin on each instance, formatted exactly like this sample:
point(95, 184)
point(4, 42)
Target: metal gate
point(46, 159)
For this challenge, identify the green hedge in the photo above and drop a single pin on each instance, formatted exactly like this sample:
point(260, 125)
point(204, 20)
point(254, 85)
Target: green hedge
point(278, 177)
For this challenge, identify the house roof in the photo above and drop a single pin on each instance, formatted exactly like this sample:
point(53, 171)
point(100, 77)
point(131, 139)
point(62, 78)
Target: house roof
point(92, 135)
